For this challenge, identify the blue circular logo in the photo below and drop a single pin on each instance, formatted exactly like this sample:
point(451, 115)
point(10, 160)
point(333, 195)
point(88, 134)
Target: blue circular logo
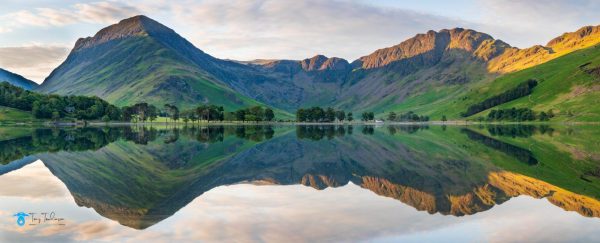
point(21, 218)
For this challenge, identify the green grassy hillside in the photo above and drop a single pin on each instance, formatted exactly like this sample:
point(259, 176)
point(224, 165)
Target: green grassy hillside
point(568, 85)
point(152, 76)
point(13, 115)
point(140, 60)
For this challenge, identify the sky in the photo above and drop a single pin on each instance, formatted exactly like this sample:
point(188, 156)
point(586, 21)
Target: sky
point(37, 35)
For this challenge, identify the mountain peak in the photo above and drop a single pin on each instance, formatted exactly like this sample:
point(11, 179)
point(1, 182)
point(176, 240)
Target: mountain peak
point(321, 62)
point(430, 46)
point(139, 25)
point(583, 37)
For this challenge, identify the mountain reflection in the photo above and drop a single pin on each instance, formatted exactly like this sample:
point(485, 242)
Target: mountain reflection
point(140, 175)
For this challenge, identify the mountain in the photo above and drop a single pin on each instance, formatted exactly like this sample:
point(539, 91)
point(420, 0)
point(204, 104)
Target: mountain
point(141, 60)
point(436, 73)
point(17, 80)
point(567, 70)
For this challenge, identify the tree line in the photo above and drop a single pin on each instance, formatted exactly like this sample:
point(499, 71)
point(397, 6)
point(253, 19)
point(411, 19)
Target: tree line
point(521, 90)
point(518, 114)
point(407, 117)
point(318, 114)
point(367, 116)
point(52, 106)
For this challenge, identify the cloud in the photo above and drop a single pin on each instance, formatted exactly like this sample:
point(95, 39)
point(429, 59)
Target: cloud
point(290, 29)
point(5, 30)
point(242, 29)
point(23, 186)
point(34, 62)
point(97, 12)
point(298, 29)
point(526, 23)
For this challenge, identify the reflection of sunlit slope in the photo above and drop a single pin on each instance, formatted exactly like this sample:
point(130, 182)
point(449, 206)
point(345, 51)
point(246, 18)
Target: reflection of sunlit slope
point(134, 183)
point(434, 171)
point(514, 185)
point(568, 156)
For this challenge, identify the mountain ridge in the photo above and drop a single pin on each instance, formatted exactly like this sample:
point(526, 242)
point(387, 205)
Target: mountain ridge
point(150, 62)
point(17, 80)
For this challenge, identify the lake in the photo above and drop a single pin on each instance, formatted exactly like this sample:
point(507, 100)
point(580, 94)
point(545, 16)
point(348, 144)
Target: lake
point(301, 183)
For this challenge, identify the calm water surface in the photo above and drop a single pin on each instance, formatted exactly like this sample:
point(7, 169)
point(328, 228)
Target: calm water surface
point(301, 184)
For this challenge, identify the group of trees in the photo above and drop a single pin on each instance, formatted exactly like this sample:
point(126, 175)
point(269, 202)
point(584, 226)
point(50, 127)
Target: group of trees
point(251, 114)
point(202, 112)
point(367, 116)
point(407, 117)
point(55, 107)
point(521, 90)
point(138, 112)
point(318, 114)
point(51, 106)
point(215, 113)
point(520, 114)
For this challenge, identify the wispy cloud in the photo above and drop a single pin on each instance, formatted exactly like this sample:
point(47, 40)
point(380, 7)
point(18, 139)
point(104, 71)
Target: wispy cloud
point(291, 29)
point(5, 29)
point(34, 61)
point(526, 23)
point(97, 12)
point(297, 29)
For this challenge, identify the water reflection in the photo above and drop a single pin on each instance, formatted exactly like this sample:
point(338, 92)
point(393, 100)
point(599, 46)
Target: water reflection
point(140, 176)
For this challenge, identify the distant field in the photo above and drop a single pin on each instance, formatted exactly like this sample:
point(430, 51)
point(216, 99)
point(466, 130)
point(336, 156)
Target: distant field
point(14, 115)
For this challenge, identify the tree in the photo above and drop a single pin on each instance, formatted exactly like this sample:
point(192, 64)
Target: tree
point(175, 113)
point(186, 118)
point(142, 111)
point(167, 111)
point(444, 119)
point(392, 116)
point(256, 114)
point(316, 114)
point(350, 118)
point(269, 115)
point(240, 115)
point(172, 112)
point(105, 118)
point(364, 116)
point(152, 113)
point(329, 115)
point(55, 115)
point(368, 116)
point(544, 116)
point(229, 116)
point(301, 115)
point(513, 114)
point(340, 115)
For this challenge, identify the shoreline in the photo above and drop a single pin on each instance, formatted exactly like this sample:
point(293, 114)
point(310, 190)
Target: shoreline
point(223, 123)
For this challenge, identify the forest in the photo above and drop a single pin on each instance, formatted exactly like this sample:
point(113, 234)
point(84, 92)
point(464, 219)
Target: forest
point(56, 107)
point(318, 114)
